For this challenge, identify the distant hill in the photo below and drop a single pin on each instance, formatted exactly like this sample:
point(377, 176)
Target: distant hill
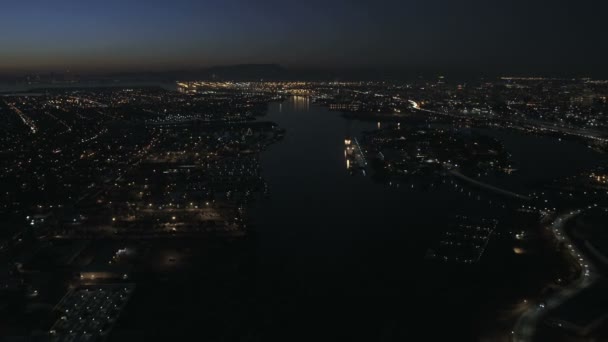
point(249, 72)
point(241, 72)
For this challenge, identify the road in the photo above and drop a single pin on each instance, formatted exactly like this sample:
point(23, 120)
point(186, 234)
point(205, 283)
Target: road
point(527, 124)
point(26, 119)
point(525, 327)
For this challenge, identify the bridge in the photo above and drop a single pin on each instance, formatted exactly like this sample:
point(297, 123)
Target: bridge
point(456, 173)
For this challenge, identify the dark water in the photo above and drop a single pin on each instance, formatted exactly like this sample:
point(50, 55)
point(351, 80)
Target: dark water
point(344, 255)
point(330, 223)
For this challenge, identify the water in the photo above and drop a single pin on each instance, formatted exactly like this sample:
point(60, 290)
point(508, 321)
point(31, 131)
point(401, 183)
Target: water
point(329, 222)
point(344, 255)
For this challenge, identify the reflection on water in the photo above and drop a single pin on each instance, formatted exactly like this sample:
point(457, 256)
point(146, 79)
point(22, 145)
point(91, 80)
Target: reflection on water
point(299, 103)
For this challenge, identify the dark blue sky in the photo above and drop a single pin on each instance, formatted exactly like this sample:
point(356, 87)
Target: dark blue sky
point(111, 35)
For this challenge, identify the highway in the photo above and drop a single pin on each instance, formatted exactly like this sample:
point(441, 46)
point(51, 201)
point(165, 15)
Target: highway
point(26, 119)
point(527, 124)
point(525, 327)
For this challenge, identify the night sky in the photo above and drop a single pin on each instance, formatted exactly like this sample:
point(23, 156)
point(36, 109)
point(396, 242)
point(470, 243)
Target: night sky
point(111, 35)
